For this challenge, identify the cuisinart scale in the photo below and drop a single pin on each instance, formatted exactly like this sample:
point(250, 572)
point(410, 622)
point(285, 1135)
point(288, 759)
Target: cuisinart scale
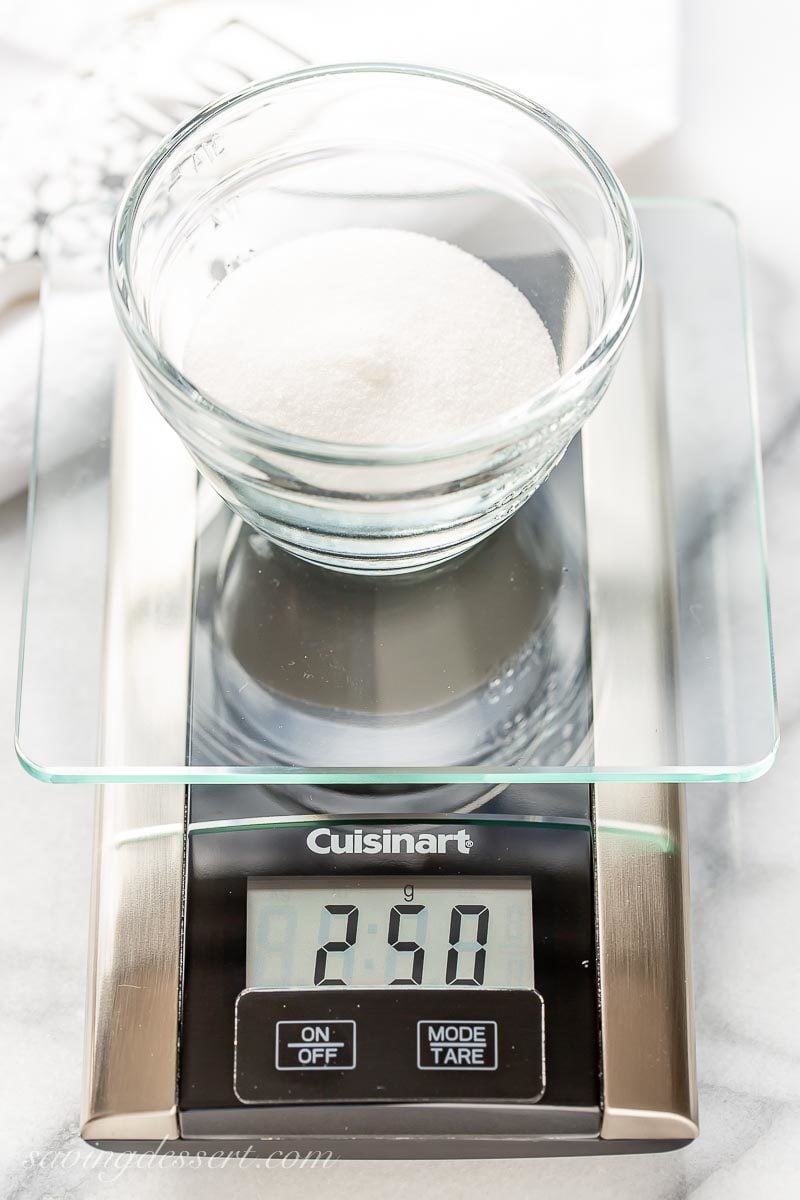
point(398, 867)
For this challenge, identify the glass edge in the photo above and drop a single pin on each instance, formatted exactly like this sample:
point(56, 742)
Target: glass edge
point(640, 831)
point(738, 773)
point(757, 458)
point(314, 820)
point(30, 508)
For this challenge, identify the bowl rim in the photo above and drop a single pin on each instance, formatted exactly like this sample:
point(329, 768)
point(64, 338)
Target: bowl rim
point(544, 405)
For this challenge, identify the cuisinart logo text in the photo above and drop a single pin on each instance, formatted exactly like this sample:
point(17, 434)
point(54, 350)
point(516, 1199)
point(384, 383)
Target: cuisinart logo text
point(385, 841)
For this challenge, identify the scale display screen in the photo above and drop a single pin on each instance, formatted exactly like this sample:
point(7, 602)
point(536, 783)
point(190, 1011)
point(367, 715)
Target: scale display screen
point(389, 932)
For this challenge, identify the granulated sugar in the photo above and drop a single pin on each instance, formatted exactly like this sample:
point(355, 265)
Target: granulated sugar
point(370, 336)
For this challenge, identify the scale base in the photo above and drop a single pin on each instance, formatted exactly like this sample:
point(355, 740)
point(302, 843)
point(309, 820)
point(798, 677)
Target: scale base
point(610, 881)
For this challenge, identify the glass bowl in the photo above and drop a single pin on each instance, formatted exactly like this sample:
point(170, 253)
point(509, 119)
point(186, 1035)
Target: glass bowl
point(378, 146)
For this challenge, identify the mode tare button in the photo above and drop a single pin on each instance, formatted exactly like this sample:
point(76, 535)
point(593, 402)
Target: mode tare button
point(315, 1045)
point(457, 1045)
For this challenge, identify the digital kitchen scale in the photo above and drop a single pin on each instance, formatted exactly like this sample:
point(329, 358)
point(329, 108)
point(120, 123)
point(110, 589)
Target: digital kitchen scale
point(398, 868)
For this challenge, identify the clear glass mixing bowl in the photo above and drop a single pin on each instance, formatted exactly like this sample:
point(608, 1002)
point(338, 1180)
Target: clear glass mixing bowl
point(379, 146)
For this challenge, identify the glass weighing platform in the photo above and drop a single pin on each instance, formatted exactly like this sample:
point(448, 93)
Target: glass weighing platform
point(397, 867)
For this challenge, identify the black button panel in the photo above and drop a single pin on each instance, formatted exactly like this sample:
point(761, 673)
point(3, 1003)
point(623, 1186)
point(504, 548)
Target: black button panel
point(557, 857)
point(402, 1044)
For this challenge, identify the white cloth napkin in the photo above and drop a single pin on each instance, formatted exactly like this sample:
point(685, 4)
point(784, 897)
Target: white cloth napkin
point(610, 69)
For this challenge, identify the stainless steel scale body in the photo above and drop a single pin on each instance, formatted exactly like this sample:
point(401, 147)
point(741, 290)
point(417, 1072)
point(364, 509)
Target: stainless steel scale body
point(646, 1098)
point(655, 618)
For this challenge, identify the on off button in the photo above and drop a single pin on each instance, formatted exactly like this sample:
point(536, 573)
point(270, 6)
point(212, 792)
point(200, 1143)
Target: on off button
point(315, 1045)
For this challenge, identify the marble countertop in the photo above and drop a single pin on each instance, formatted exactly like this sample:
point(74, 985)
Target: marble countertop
point(745, 840)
